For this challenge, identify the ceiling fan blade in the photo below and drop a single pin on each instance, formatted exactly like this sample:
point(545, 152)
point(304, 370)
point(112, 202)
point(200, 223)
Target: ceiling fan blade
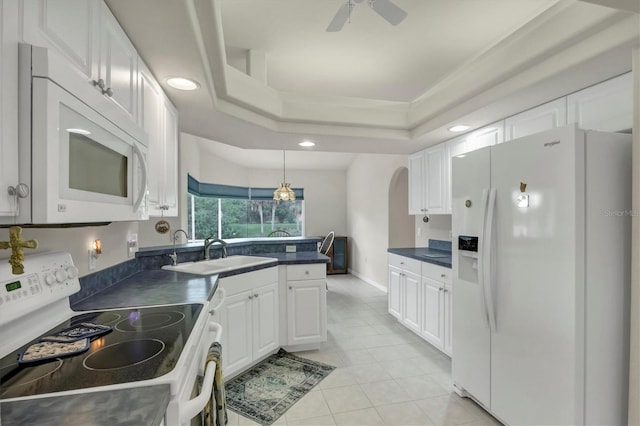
point(389, 11)
point(341, 17)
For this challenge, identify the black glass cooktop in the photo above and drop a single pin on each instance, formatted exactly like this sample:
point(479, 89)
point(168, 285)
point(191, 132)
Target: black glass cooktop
point(145, 344)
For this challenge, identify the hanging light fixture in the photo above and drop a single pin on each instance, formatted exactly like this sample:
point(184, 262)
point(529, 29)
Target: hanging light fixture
point(284, 191)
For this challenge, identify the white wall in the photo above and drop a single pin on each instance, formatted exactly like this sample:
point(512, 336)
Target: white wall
point(368, 180)
point(401, 229)
point(438, 228)
point(77, 242)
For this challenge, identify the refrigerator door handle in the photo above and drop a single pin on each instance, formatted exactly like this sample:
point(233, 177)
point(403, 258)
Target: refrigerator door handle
point(481, 257)
point(488, 260)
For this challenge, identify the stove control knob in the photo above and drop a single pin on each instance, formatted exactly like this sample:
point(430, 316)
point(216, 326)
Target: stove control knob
point(72, 272)
point(61, 275)
point(49, 279)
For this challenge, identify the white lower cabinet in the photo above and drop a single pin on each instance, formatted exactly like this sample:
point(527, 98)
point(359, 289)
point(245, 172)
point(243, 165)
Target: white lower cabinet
point(306, 318)
point(420, 298)
point(250, 318)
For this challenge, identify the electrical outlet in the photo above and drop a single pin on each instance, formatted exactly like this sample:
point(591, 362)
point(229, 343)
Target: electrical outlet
point(132, 245)
point(290, 249)
point(92, 260)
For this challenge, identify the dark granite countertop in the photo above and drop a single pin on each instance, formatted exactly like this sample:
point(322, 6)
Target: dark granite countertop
point(422, 253)
point(144, 405)
point(162, 287)
point(153, 287)
point(300, 257)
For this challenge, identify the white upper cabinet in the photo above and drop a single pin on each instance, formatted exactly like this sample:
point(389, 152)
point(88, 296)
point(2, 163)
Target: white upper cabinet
point(86, 33)
point(607, 106)
point(118, 64)
point(169, 190)
point(544, 117)
point(436, 179)
point(159, 119)
point(9, 172)
point(490, 135)
point(69, 26)
point(428, 181)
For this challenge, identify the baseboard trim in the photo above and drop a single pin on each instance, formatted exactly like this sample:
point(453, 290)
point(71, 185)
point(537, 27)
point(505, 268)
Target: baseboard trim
point(368, 281)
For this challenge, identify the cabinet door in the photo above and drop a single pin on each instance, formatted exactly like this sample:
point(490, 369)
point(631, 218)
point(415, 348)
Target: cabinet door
point(8, 106)
point(150, 119)
point(169, 198)
point(307, 311)
point(416, 183)
point(265, 320)
point(68, 26)
point(118, 63)
point(607, 106)
point(432, 314)
point(435, 163)
point(395, 292)
point(544, 117)
point(412, 302)
point(490, 135)
point(237, 322)
point(448, 320)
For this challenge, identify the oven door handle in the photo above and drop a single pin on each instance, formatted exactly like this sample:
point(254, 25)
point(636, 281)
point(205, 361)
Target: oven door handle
point(214, 326)
point(223, 297)
point(191, 408)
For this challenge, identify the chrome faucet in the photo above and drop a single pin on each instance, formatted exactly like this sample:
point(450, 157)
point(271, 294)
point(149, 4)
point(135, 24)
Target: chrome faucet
point(207, 247)
point(174, 255)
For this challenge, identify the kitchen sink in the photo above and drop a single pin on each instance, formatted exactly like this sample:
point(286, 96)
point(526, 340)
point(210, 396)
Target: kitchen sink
point(216, 266)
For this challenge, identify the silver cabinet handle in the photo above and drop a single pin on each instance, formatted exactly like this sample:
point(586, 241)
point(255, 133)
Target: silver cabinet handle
point(250, 297)
point(443, 275)
point(306, 272)
point(445, 290)
point(440, 289)
point(108, 92)
point(99, 83)
point(290, 288)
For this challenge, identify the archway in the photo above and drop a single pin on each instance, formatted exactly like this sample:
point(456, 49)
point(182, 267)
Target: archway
point(401, 224)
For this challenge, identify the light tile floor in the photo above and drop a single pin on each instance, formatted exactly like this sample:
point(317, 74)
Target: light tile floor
point(385, 375)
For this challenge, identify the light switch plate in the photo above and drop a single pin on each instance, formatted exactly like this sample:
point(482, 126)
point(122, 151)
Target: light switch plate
point(290, 249)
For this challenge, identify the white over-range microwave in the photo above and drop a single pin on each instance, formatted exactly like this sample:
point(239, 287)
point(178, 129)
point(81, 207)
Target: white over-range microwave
point(84, 160)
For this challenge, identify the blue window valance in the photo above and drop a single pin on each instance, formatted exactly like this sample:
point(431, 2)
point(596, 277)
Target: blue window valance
point(214, 190)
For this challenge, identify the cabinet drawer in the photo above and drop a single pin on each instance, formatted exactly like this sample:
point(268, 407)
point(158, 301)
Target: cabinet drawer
point(436, 272)
point(406, 263)
point(310, 271)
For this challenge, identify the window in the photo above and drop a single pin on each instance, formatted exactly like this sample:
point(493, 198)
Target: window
point(226, 212)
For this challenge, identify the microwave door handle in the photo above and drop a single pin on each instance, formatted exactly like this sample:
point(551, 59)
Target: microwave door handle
point(143, 166)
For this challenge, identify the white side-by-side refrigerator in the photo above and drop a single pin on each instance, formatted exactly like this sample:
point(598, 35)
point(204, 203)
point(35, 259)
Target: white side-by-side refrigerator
point(541, 277)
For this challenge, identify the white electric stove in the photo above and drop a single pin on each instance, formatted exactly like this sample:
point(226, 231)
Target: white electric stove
point(143, 345)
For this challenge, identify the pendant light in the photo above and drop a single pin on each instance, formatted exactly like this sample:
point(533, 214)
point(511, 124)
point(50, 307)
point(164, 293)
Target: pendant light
point(284, 191)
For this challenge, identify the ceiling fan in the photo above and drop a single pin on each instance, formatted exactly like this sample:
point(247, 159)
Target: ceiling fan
point(389, 11)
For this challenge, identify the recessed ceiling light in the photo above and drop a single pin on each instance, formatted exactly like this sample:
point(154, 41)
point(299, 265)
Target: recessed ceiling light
point(459, 128)
point(307, 144)
point(79, 131)
point(181, 83)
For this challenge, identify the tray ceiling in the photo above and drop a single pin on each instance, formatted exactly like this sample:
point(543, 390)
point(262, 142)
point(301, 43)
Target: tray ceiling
point(371, 87)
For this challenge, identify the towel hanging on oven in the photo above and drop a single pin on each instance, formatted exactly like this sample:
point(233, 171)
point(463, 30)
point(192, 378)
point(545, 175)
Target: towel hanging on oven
point(218, 397)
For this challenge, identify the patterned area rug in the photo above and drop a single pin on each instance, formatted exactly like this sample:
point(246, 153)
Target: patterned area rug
point(267, 390)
